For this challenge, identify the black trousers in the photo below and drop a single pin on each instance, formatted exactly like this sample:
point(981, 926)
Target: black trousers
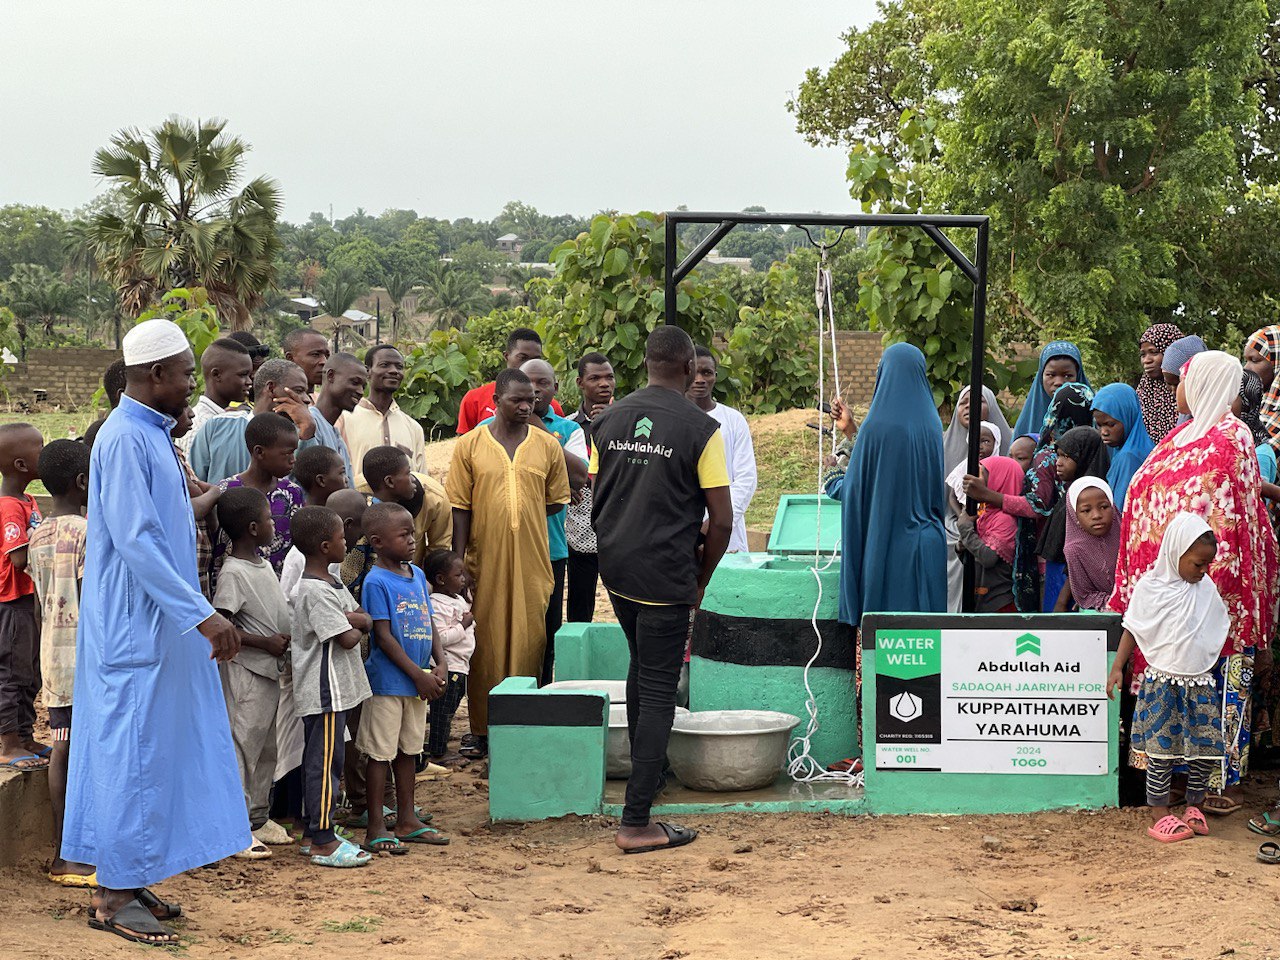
point(322, 759)
point(584, 573)
point(656, 637)
point(19, 665)
point(442, 711)
point(555, 619)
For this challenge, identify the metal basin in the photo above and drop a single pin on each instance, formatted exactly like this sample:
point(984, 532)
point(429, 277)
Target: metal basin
point(617, 765)
point(616, 689)
point(724, 750)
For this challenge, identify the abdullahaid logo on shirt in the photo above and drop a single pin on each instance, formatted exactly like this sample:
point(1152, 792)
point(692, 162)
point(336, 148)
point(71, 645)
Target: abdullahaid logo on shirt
point(643, 431)
point(644, 427)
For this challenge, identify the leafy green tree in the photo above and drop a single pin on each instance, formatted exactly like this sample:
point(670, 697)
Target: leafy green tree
point(1112, 142)
point(772, 355)
point(186, 225)
point(30, 235)
point(453, 295)
point(489, 333)
point(607, 295)
point(360, 256)
point(478, 259)
point(437, 374)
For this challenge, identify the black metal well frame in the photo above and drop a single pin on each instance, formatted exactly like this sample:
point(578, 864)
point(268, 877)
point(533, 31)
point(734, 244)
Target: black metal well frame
point(931, 224)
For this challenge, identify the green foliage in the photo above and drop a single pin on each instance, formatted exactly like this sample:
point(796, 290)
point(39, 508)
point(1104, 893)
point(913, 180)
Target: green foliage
point(339, 289)
point(194, 312)
point(489, 333)
point(772, 352)
point(30, 234)
point(1122, 149)
point(360, 257)
point(607, 295)
point(437, 374)
point(453, 294)
point(36, 293)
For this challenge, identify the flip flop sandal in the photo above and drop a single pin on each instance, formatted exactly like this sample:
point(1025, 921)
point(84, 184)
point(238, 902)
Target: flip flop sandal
point(676, 837)
point(361, 822)
point(44, 752)
point(389, 845)
point(428, 835)
point(1265, 825)
point(135, 923)
point(417, 812)
point(255, 851)
point(87, 880)
point(169, 911)
point(1269, 853)
point(1170, 830)
point(474, 747)
point(1194, 819)
point(347, 855)
point(1220, 805)
point(30, 767)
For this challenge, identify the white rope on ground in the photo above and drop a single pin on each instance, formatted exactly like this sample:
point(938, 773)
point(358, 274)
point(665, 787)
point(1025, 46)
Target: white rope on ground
point(801, 765)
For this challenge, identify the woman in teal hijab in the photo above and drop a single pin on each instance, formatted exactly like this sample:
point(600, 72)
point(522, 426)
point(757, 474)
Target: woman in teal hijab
point(1060, 363)
point(893, 553)
point(1117, 414)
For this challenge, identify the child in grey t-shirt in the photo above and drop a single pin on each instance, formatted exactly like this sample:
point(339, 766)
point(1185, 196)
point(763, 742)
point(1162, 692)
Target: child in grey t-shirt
point(328, 677)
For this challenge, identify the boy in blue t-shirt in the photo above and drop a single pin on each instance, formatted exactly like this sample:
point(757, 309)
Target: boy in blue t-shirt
point(406, 669)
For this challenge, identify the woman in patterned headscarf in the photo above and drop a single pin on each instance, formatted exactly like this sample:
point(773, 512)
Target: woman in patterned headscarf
point(1260, 355)
point(1158, 399)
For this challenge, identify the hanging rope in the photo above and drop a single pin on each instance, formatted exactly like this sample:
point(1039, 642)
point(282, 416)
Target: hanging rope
point(802, 767)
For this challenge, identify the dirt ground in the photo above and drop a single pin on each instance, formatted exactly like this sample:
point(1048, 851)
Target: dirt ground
point(1058, 885)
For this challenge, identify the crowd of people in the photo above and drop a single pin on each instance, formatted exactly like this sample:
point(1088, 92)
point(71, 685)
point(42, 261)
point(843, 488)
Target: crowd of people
point(351, 600)
point(1157, 502)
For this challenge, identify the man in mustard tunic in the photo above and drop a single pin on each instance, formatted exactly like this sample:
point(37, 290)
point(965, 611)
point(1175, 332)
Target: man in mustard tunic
point(505, 478)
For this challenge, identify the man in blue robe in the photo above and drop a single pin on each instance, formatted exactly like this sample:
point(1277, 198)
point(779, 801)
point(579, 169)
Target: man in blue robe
point(153, 789)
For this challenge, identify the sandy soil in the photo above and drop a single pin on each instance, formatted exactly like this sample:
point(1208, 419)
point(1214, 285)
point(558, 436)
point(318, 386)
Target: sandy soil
point(1050, 885)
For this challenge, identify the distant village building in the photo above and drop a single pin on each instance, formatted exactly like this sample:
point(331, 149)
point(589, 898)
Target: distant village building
point(353, 321)
point(510, 246)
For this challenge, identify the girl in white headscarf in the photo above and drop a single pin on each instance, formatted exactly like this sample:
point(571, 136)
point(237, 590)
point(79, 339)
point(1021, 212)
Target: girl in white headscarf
point(1208, 467)
point(1179, 622)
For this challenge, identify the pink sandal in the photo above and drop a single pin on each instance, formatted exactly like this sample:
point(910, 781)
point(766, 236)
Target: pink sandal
point(1194, 819)
point(1170, 830)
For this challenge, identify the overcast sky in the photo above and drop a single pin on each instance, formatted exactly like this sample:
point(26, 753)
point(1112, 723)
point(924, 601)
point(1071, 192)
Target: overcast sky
point(450, 109)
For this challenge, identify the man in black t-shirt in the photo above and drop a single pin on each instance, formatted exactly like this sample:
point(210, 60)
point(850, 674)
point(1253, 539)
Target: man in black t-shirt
point(658, 462)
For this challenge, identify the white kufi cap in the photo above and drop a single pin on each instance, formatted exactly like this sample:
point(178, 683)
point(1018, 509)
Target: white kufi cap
point(152, 341)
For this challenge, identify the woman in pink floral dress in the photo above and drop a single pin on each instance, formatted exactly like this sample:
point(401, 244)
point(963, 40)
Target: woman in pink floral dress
point(1208, 467)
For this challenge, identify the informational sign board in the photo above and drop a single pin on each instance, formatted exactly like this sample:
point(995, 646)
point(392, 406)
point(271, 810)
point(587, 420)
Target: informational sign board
point(990, 695)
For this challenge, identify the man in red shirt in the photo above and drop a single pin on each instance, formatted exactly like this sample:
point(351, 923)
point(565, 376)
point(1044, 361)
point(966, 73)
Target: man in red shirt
point(20, 446)
point(478, 405)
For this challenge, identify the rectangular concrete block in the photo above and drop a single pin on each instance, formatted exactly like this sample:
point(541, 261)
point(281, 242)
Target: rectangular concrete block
point(546, 751)
point(592, 651)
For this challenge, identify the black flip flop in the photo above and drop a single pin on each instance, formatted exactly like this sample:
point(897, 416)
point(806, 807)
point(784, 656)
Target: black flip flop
point(171, 911)
point(676, 837)
point(1269, 853)
point(475, 748)
point(133, 919)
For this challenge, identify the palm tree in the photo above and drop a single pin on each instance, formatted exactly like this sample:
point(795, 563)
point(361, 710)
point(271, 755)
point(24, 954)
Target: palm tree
point(337, 291)
point(454, 295)
point(185, 224)
point(35, 292)
point(518, 278)
point(399, 285)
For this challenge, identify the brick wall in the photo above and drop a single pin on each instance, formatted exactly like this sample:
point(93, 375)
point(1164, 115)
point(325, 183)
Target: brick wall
point(69, 375)
point(858, 353)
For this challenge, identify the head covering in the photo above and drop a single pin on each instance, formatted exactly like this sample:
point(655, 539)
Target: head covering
point(1071, 407)
point(999, 530)
point(1180, 627)
point(955, 442)
point(1212, 383)
point(1037, 403)
point(1251, 394)
point(1091, 561)
point(1178, 353)
point(955, 479)
point(1083, 445)
point(1119, 401)
point(894, 544)
point(152, 341)
point(1158, 399)
point(1267, 342)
